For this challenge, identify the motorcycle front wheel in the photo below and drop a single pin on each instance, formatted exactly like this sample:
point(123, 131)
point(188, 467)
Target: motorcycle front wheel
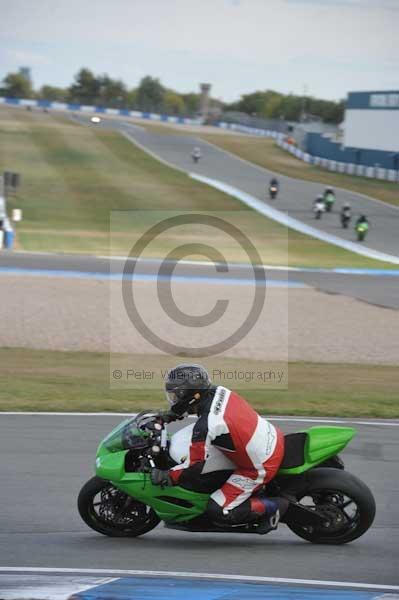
point(346, 502)
point(111, 512)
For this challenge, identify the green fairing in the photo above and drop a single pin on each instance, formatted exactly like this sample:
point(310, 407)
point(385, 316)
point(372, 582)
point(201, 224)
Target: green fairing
point(138, 485)
point(321, 444)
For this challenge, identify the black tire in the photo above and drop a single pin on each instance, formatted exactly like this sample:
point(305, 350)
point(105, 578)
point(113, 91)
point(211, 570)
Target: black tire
point(136, 519)
point(342, 484)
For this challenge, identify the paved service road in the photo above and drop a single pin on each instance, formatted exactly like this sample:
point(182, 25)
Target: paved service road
point(379, 290)
point(46, 459)
point(295, 197)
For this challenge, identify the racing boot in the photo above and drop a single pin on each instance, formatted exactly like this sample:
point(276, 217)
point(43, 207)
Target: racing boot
point(270, 511)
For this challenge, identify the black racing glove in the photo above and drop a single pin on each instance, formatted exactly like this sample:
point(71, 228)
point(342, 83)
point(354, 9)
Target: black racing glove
point(169, 416)
point(161, 477)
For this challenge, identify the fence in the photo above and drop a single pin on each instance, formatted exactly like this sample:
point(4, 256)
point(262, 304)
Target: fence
point(240, 118)
point(375, 172)
point(62, 106)
point(251, 130)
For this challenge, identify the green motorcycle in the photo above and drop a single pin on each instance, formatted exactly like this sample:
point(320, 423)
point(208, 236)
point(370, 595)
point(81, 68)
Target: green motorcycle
point(326, 504)
point(361, 231)
point(329, 200)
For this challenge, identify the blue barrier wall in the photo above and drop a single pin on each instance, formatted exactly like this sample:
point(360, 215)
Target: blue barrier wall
point(319, 145)
point(45, 104)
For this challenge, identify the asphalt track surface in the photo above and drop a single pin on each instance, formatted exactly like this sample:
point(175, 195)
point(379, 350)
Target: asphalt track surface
point(47, 458)
point(381, 290)
point(295, 196)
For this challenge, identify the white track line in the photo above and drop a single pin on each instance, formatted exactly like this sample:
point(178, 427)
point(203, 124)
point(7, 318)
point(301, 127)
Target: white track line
point(214, 576)
point(292, 223)
point(287, 419)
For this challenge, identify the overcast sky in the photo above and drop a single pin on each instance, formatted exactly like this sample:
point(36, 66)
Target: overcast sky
point(239, 46)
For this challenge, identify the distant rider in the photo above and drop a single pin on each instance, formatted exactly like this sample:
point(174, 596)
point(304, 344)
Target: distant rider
point(273, 183)
point(319, 206)
point(226, 421)
point(346, 214)
point(273, 188)
point(361, 227)
point(362, 219)
point(329, 198)
point(196, 153)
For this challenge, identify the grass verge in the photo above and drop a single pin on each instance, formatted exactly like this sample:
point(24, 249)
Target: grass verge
point(74, 176)
point(36, 380)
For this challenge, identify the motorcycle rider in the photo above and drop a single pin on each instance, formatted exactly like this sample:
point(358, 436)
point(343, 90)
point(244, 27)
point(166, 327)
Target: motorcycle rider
point(273, 187)
point(229, 423)
point(329, 198)
point(346, 214)
point(273, 183)
point(362, 219)
point(361, 227)
point(196, 153)
point(319, 206)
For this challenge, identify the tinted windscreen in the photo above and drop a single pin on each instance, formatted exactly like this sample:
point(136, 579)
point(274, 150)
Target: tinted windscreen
point(126, 436)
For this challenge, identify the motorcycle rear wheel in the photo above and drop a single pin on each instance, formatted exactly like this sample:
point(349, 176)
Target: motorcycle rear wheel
point(109, 511)
point(346, 501)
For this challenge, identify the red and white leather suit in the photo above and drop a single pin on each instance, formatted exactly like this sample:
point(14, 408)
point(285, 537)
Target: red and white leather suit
point(255, 446)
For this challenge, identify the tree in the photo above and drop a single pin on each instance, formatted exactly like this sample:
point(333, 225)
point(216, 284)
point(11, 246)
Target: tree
point(173, 103)
point(192, 103)
point(150, 95)
point(131, 99)
point(17, 85)
point(85, 89)
point(53, 94)
point(253, 104)
point(112, 92)
point(292, 107)
point(273, 105)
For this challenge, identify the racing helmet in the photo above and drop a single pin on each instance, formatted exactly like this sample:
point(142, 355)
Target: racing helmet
point(184, 386)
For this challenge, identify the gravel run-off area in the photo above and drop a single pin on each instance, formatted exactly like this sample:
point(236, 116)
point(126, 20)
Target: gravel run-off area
point(296, 324)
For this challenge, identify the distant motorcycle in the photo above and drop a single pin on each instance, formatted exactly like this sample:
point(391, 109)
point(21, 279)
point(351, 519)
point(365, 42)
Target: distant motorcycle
point(318, 209)
point(345, 218)
point(273, 191)
point(329, 199)
point(196, 155)
point(361, 231)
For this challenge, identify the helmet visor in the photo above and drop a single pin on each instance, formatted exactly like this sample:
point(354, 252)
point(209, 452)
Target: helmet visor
point(171, 398)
